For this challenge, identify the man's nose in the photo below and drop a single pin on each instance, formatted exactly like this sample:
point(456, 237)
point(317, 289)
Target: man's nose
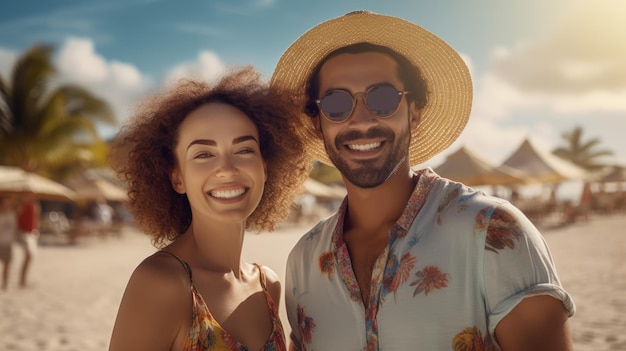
point(361, 113)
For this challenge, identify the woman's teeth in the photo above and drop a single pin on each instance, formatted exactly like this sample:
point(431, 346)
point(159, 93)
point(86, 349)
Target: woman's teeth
point(227, 194)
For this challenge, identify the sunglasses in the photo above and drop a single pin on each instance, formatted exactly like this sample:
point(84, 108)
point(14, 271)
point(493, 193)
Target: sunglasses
point(382, 100)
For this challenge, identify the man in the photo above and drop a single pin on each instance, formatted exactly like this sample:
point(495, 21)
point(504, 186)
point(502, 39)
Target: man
point(410, 260)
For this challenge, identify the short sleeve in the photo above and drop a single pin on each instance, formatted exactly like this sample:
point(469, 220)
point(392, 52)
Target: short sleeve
point(517, 264)
point(290, 301)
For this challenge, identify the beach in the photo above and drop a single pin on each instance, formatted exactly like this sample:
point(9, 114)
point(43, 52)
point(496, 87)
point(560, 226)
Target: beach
point(76, 289)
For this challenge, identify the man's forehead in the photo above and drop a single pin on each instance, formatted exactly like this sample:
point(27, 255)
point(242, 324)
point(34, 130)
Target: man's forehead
point(359, 70)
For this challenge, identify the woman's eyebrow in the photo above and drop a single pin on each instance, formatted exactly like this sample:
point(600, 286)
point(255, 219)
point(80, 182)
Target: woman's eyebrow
point(212, 142)
point(209, 142)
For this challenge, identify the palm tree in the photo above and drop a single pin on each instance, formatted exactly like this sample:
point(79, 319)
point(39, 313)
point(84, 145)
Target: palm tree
point(582, 153)
point(45, 129)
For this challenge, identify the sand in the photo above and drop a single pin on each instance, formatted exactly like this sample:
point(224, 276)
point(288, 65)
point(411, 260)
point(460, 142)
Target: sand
point(76, 289)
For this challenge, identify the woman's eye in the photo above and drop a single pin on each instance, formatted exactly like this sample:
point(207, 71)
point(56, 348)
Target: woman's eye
point(202, 155)
point(246, 151)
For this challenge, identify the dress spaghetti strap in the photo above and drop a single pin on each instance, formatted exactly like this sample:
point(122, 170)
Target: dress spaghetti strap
point(185, 265)
point(261, 276)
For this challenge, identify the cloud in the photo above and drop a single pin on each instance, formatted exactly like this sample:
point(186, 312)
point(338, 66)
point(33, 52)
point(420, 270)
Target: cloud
point(126, 75)
point(579, 67)
point(120, 84)
point(79, 61)
point(207, 66)
point(468, 62)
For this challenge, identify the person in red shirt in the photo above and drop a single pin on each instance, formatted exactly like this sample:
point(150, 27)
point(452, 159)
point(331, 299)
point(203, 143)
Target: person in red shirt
point(28, 231)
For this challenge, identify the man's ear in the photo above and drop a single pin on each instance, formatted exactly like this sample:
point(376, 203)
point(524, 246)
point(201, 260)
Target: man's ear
point(177, 181)
point(415, 115)
point(317, 120)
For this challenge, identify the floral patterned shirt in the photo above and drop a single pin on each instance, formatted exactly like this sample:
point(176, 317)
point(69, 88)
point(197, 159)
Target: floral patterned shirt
point(456, 263)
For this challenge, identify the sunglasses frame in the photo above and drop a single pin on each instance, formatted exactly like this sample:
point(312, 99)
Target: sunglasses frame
point(354, 98)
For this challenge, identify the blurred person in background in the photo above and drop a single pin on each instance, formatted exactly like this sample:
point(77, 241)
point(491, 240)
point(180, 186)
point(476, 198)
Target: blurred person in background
point(8, 234)
point(204, 163)
point(28, 215)
point(103, 216)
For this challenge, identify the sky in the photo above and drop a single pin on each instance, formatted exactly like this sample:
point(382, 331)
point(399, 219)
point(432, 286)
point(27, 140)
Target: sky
point(539, 67)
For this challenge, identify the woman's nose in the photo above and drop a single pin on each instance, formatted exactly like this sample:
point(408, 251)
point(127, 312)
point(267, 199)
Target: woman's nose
point(226, 167)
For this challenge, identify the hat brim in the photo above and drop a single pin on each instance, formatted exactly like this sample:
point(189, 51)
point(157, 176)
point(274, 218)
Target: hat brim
point(448, 79)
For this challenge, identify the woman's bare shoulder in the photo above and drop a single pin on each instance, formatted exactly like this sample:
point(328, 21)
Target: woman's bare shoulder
point(161, 276)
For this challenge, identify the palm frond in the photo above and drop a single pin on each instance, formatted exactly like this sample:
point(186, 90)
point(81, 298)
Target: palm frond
point(583, 153)
point(45, 128)
point(5, 112)
point(79, 101)
point(30, 80)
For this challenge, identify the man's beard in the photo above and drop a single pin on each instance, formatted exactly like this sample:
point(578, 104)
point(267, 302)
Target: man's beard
point(372, 172)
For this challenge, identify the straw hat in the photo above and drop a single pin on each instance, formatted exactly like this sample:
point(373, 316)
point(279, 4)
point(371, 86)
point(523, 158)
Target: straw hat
point(447, 77)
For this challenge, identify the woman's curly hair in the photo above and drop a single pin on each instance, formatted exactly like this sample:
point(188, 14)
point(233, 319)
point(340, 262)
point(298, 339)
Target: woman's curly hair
point(142, 153)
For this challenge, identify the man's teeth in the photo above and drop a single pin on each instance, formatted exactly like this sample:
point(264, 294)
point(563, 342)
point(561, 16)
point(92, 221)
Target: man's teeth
point(227, 194)
point(363, 147)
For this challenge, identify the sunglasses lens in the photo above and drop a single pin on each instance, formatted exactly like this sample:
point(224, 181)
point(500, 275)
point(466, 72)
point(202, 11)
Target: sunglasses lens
point(336, 105)
point(383, 100)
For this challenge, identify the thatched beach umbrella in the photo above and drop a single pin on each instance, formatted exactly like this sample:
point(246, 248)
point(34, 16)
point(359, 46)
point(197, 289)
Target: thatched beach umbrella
point(466, 167)
point(14, 180)
point(543, 166)
point(93, 188)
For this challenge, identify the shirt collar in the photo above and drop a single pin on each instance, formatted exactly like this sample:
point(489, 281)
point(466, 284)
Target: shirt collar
point(425, 178)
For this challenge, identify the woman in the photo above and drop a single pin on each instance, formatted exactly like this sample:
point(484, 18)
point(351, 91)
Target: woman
point(203, 164)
